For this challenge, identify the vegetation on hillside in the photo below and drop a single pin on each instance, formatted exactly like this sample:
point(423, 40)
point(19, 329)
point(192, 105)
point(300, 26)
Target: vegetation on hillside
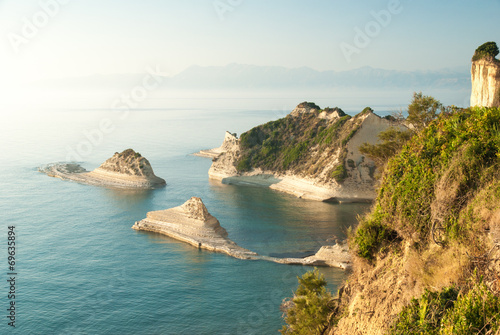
point(443, 189)
point(288, 143)
point(422, 110)
point(434, 181)
point(487, 50)
point(439, 196)
point(474, 310)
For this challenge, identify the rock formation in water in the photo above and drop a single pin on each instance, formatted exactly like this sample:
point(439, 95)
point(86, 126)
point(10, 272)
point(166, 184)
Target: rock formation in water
point(311, 153)
point(192, 223)
point(230, 139)
point(127, 169)
point(485, 75)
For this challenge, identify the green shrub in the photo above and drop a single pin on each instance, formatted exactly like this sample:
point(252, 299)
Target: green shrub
point(243, 165)
point(488, 49)
point(393, 140)
point(367, 110)
point(422, 110)
point(477, 312)
point(424, 315)
point(449, 312)
point(308, 314)
point(339, 173)
point(371, 236)
point(294, 153)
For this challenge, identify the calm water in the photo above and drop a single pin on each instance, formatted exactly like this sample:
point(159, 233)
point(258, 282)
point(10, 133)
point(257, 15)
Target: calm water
point(83, 270)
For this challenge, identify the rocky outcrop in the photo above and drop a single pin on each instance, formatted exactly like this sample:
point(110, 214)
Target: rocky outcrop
point(336, 255)
point(127, 169)
point(230, 140)
point(192, 223)
point(485, 75)
point(312, 178)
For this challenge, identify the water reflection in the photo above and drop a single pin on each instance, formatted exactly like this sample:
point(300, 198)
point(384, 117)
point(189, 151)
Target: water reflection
point(128, 199)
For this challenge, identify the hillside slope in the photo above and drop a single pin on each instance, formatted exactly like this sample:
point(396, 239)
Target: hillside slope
point(428, 255)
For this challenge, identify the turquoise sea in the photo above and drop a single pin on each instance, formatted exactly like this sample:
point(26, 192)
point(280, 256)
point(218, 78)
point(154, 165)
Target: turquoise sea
point(80, 267)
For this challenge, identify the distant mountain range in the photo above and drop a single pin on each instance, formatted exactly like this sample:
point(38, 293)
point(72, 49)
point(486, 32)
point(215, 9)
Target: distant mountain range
point(238, 76)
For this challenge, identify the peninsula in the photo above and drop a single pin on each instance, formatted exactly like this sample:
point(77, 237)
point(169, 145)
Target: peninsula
point(312, 153)
point(127, 169)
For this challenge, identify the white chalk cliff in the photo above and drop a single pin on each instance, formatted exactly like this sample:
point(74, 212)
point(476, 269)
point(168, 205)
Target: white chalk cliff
point(485, 75)
point(230, 139)
point(192, 223)
point(127, 169)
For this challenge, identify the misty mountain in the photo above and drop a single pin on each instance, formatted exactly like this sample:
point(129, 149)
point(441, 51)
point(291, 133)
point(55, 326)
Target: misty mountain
point(239, 76)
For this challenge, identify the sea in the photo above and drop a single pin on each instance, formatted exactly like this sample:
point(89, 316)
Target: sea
point(79, 268)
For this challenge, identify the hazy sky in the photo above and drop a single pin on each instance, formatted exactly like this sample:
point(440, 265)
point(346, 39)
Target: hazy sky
point(56, 38)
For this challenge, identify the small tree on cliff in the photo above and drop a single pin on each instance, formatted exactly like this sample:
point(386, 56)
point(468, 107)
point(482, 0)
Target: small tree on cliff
point(487, 50)
point(308, 313)
point(422, 110)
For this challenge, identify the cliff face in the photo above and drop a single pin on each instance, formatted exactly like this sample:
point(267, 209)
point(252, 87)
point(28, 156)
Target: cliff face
point(435, 225)
point(485, 74)
point(311, 153)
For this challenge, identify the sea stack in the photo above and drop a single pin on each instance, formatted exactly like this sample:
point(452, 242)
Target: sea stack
point(192, 223)
point(127, 169)
point(485, 76)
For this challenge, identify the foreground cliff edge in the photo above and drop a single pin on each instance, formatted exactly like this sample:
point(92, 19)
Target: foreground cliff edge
point(127, 169)
point(193, 224)
point(312, 153)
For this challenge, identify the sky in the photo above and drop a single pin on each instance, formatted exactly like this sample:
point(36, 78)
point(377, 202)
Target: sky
point(46, 39)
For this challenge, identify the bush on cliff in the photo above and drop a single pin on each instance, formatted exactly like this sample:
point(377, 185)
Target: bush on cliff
point(422, 110)
point(474, 310)
point(309, 310)
point(486, 50)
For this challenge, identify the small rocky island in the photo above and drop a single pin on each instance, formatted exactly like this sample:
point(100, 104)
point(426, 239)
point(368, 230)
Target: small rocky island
point(193, 224)
point(127, 169)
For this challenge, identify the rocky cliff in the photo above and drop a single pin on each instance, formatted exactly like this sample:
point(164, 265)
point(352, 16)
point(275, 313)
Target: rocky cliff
point(485, 75)
point(127, 169)
point(427, 258)
point(311, 153)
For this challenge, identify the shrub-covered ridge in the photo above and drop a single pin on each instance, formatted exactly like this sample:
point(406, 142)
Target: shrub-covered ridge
point(428, 190)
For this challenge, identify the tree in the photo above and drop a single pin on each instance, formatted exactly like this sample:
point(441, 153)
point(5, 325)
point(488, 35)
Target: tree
point(308, 313)
point(422, 110)
point(393, 140)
